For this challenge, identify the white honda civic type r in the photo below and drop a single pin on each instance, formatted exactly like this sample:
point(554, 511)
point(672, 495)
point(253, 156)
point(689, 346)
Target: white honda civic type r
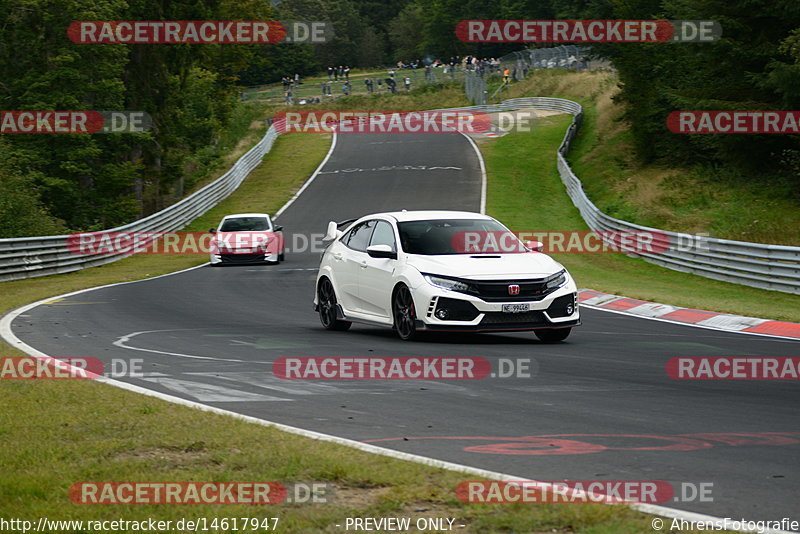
point(441, 270)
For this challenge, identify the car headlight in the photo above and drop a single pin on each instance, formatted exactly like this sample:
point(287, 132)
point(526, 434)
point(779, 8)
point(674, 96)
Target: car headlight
point(447, 283)
point(557, 280)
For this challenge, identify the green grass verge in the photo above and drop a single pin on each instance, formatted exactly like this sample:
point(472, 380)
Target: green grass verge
point(58, 433)
point(526, 193)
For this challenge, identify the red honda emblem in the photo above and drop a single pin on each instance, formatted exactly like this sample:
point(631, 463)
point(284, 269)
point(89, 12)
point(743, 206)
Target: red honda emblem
point(513, 289)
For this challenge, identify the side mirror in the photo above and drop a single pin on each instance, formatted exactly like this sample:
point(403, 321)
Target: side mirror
point(277, 228)
point(381, 251)
point(213, 230)
point(535, 246)
point(333, 232)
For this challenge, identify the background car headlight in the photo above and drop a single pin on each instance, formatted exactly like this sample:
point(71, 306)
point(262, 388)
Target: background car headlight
point(447, 283)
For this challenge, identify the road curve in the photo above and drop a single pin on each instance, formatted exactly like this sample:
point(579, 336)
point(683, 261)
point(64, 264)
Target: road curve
point(597, 407)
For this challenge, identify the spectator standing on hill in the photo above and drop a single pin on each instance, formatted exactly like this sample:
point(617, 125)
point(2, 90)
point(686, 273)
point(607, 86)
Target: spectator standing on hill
point(407, 81)
point(330, 73)
point(392, 85)
point(347, 72)
point(346, 88)
point(368, 83)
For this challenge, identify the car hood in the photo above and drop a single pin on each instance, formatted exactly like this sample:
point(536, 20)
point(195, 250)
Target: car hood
point(487, 266)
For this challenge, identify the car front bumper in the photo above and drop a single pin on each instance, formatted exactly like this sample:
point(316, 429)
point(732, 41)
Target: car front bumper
point(243, 259)
point(445, 310)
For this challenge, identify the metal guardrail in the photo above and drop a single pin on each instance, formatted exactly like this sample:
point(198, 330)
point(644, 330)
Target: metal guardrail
point(27, 257)
point(773, 267)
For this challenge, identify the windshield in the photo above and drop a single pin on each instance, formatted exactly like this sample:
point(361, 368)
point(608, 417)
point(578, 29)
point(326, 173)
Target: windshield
point(245, 224)
point(457, 236)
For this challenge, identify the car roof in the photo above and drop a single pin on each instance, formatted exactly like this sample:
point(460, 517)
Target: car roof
point(427, 215)
point(234, 215)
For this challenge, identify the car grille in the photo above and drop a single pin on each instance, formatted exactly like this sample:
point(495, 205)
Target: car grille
point(529, 318)
point(242, 258)
point(497, 290)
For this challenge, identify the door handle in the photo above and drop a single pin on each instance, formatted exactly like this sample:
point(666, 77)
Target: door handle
point(363, 264)
point(337, 256)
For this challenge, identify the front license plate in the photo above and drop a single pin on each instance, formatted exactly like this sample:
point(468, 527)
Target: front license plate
point(516, 308)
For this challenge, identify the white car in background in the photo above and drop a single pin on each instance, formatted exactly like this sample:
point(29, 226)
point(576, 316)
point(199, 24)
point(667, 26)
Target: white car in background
point(247, 238)
point(416, 270)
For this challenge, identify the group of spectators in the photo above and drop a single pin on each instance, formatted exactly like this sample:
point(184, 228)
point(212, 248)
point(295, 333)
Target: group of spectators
point(339, 73)
point(480, 65)
point(342, 74)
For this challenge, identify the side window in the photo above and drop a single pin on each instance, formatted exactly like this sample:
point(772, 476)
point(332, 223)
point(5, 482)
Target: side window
point(383, 235)
point(359, 236)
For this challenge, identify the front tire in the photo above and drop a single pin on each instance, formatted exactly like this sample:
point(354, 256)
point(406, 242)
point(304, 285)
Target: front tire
point(326, 299)
point(405, 315)
point(552, 335)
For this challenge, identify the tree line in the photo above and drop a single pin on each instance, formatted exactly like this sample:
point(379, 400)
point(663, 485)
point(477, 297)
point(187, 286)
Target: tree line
point(51, 183)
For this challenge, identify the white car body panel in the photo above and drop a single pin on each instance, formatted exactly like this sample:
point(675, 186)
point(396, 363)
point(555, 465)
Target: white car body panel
point(363, 285)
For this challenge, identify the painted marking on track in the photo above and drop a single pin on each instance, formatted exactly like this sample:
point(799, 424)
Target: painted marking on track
point(211, 393)
point(564, 444)
point(121, 342)
point(392, 168)
point(267, 381)
point(76, 303)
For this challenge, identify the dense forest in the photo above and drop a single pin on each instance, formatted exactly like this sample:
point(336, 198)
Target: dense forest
point(55, 183)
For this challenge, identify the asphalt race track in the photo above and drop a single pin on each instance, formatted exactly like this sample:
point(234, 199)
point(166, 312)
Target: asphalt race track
point(599, 406)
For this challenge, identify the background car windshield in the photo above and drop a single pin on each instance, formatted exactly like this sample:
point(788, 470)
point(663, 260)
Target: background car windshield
point(455, 236)
point(245, 224)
